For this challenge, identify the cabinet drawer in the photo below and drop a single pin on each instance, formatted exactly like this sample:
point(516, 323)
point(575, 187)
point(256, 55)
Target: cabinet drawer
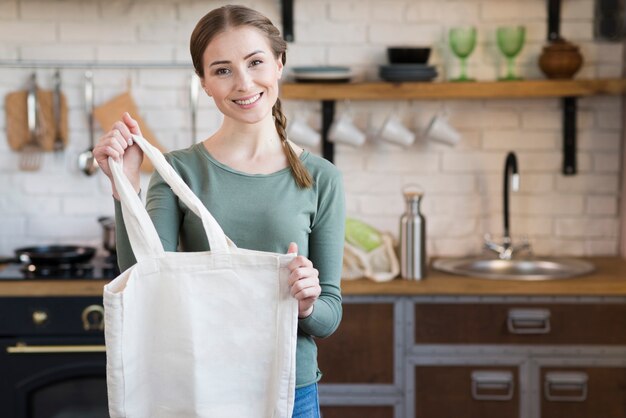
point(469, 392)
point(361, 350)
point(357, 411)
point(600, 324)
point(583, 392)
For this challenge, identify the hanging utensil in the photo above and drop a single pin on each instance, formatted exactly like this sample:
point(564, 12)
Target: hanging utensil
point(58, 144)
point(194, 87)
point(86, 161)
point(31, 150)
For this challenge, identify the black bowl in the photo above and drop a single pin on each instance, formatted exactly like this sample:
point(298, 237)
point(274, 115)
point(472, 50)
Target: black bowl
point(408, 55)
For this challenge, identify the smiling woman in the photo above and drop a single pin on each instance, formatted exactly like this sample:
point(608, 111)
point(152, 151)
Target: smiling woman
point(265, 192)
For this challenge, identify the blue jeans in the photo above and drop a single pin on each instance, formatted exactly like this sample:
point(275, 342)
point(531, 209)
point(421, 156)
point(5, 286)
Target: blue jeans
point(307, 404)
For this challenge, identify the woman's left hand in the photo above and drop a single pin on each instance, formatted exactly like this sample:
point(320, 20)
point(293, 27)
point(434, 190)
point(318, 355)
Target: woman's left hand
point(304, 282)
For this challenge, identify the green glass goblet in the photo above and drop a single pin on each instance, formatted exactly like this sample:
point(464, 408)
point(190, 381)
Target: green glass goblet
point(510, 42)
point(462, 43)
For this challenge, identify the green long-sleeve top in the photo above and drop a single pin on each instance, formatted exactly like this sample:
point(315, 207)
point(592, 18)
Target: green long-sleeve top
point(263, 212)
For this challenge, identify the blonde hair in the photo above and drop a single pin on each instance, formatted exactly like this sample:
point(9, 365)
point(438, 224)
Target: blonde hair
point(220, 19)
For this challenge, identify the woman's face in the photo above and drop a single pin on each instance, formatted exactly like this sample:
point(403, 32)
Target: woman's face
point(241, 74)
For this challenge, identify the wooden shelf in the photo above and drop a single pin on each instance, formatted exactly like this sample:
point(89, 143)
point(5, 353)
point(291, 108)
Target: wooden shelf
point(452, 90)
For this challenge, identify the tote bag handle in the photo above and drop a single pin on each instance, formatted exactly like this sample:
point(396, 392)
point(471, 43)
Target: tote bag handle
point(142, 235)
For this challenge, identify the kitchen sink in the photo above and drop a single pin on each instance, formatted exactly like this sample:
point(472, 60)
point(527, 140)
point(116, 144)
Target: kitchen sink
point(529, 269)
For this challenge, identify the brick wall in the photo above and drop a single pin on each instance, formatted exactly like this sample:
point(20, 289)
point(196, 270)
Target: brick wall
point(576, 215)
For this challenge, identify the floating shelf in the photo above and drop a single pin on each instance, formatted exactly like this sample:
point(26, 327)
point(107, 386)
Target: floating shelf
point(567, 90)
point(452, 90)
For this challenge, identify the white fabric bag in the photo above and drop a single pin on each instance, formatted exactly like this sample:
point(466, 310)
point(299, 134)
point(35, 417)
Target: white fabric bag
point(202, 334)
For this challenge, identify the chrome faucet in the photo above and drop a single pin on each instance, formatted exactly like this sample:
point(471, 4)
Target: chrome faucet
point(506, 249)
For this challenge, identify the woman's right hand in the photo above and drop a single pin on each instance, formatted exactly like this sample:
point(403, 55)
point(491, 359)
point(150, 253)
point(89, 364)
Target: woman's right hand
point(118, 144)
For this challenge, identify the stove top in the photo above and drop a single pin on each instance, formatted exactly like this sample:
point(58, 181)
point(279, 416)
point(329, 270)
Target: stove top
point(97, 269)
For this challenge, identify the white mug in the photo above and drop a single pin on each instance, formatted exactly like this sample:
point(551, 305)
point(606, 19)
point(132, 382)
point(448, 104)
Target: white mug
point(439, 129)
point(343, 131)
point(300, 132)
point(393, 130)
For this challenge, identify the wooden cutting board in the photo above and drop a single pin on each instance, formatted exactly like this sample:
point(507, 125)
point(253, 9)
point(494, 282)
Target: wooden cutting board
point(17, 119)
point(110, 112)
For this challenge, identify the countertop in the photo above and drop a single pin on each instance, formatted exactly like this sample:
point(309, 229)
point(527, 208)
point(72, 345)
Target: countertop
point(609, 279)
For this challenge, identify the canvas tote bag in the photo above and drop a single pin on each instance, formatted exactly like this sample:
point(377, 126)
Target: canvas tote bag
point(200, 334)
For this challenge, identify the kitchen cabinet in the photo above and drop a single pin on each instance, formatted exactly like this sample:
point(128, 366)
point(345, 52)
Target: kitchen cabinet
point(361, 350)
point(357, 412)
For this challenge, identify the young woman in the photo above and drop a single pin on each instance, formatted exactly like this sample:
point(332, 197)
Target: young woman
point(267, 193)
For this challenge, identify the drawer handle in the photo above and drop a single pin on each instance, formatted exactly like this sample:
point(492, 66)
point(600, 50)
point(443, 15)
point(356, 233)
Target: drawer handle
point(572, 382)
point(491, 381)
point(528, 321)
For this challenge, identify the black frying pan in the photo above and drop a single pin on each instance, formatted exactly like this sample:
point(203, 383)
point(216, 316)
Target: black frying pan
point(51, 255)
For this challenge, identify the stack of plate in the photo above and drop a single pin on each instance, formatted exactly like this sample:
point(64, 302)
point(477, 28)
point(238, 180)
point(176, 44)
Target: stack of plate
point(407, 72)
point(322, 74)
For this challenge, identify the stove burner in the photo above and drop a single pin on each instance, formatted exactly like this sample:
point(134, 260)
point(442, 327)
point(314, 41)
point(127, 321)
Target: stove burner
point(63, 271)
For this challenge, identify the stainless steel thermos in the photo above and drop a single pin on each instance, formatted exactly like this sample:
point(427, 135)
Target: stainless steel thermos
point(412, 237)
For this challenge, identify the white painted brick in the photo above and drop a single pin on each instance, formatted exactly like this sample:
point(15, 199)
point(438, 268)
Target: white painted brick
point(34, 32)
point(8, 52)
point(443, 183)
point(454, 206)
point(456, 247)
point(58, 185)
point(170, 118)
point(607, 119)
point(581, 227)
point(343, 55)
point(609, 71)
point(449, 11)
point(547, 205)
point(517, 104)
point(332, 33)
point(602, 247)
point(349, 11)
point(599, 140)
point(349, 163)
point(58, 52)
point(606, 163)
point(372, 183)
point(168, 32)
point(473, 161)
point(137, 11)
point(601, 205)
point(402, 163)
point(388, 224)
point(507, 10)
point(59, 11)
point(8, 9)
point(450, 227)
point(19, 204)
point(389, 11)
point(92, 205)
point(88, 32)
point(57, 227)
point(134, 53)
point(299, 54)
point(577, 30)
point(604, 53)
point(481, 118)
point(352, 205)
point(529, 183)
point(12, 225)
point(600, 103)
point(390, 204)
point(398, 34)
point(559, 247)
point(310, 11)
point(519, 226)
point(550, 161)
point(588, 183)
point(523, 140)
point(577, 9)
point(545, 119)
